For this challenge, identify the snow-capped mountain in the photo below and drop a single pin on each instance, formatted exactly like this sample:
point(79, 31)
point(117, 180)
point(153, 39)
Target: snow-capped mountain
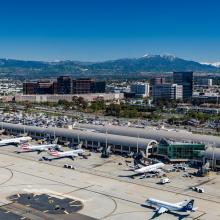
point(216, 64)
point(119, 67)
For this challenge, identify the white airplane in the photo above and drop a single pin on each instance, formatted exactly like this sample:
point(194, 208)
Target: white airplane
point(150, 168)
point(154, 168)
point(38, 148)
point(14, 141)
point(161, 206)
point(66, 154)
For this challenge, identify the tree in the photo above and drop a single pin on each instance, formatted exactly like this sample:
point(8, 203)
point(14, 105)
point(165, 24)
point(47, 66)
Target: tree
point(97, 106)
point(113, 110)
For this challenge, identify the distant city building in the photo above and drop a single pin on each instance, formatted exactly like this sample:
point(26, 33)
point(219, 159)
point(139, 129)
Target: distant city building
point(64, 85)
point(158, 81)
point(129, 95)
point(40, 87)
point(203, 81)
point(167, 92)
point(68, 97)
point(140, 89)
point(186, 80)
point(45, 87)
point(209, 97)
point(10, 86)
point(29, 88)
point(185, 109)
point(98, 87)
point(81, 86)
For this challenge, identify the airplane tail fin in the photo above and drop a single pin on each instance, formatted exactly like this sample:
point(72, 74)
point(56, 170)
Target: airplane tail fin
point(189, 205)
point(56, 140)
point(79, 146)
point(24, 146)
point(53, 152)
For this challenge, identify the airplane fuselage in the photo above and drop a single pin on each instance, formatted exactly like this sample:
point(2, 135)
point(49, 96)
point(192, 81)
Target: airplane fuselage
point(150, 168)
point(44, 147)
point(14, 141)
point(72, 153)
point(169, 206)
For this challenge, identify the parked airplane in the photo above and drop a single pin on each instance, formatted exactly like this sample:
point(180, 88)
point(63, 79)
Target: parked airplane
point(162, 206)
point(67, 154)
point(150, 168)
point(25, 148)
point(14, 141)
point(153, 168)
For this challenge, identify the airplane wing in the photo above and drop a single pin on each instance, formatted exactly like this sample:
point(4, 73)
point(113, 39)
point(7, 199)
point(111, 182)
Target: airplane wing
point(162, 210)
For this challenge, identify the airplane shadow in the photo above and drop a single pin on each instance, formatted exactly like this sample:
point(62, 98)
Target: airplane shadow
point(132, 176)
point(55, 158)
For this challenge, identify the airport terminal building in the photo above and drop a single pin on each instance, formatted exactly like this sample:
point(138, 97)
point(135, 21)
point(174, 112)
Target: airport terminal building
point(179, 151)
point(90, 139)
point(156, 134)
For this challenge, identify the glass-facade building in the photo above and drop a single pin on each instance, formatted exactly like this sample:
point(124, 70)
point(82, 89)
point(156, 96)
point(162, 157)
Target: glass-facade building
point(186, 80)
point(180, 151)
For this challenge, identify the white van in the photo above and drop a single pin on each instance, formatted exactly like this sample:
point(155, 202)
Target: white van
point(164, 180)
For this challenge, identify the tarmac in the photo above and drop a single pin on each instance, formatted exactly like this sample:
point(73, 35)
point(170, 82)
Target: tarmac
point(97, 186)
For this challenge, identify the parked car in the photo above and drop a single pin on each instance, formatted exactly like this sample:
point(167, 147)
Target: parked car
point(69, 166)
point(198, 189)
point(164, 180)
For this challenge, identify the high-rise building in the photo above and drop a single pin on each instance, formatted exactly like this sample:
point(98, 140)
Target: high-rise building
point(98, 87)
point(30, 88)
point(64, 85)
point(140, 89)
point(158, 81)
point(167, 92)
point(203, 81)
point(45, 87)
point(186, 80)
point(81, 85)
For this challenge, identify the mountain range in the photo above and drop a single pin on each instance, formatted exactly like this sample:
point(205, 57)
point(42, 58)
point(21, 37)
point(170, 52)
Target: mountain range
point(113, 68)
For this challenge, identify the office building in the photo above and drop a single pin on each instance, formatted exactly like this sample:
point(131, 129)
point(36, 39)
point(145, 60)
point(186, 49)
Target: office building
point(98, 87)
point(64, 85)
point(186, 80)
point(158, 81)
point(203, 82)
point(167, 92)
point(140, 89)
point(40, 87)
point(69, 97)
point(209, 97)
point(45, 87)
point(29, 88)
point(81, 85)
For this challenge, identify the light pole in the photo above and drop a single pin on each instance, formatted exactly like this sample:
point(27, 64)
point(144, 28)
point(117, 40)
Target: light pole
point(213, 155)
point(106, 139)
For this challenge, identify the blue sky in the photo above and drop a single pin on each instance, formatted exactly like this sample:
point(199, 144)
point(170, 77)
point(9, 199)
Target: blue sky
point(95, 30)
